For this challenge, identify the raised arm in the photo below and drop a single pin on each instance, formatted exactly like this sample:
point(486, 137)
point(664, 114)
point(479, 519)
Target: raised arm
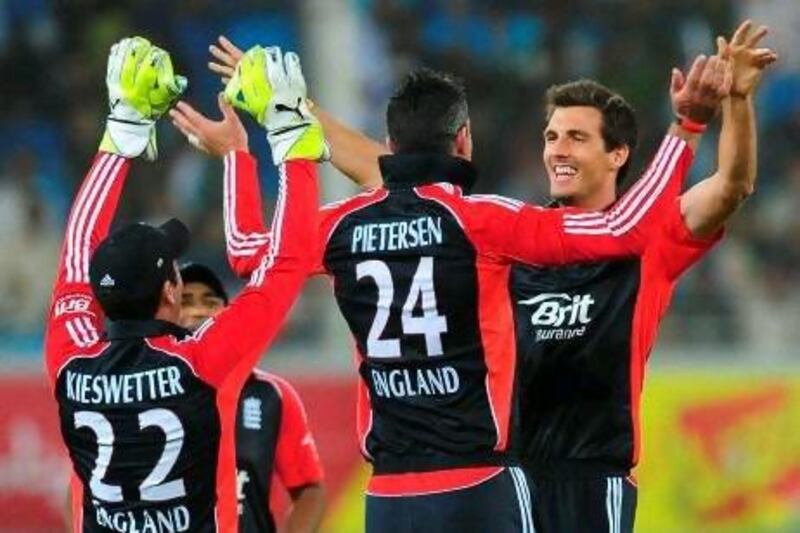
point(568, 235)
point(247, 238)
point(229, 345)
point(139, 93)
point(511, 231)
point(707, 205)
point(75, 320)
point(352, 153)
point(267, 86)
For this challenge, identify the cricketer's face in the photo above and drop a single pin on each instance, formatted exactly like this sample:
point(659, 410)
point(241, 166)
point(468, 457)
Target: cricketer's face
point(198, 303)
point(578, 166)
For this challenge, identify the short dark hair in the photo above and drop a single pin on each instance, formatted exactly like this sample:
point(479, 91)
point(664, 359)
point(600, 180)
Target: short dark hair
point(426, 112)
point(199, 273)
point(619, 118)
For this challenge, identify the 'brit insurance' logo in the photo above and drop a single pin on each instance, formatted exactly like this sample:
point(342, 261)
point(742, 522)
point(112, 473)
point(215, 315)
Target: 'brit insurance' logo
point(559, 316)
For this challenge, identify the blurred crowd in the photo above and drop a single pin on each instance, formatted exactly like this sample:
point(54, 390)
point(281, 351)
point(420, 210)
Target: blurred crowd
point(744, 297)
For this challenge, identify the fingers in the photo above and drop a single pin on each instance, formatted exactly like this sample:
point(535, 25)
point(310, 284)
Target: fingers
point(221, 69)
point(294, 72)
point(708, 76)
point(234, 51)
point(727, 80)
point(696, 72)
point(741, 32)
point(276, 72)
point(193, 118)
point(752, 40)
point(227, 110)
point(764, 57)
point(722, 71)
point(722, 47)
point(180, 121)
point(677, 81)
point(222, 56)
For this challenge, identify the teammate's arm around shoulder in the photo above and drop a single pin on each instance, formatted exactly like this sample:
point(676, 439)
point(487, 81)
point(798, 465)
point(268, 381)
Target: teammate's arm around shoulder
point(707, 205)
point(139, 92)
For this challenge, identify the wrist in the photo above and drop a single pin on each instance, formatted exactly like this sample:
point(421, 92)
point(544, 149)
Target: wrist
point(689, 125)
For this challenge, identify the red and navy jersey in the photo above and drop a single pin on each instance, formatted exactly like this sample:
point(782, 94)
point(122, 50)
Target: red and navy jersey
point(421, 273)
point(584, 335)
point(147, 410)
point(273, 441)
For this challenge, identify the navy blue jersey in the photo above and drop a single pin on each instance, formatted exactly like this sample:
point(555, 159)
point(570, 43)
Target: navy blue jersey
point(584, 335)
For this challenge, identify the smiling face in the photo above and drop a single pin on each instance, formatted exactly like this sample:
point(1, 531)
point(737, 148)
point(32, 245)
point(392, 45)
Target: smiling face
point(581, 171)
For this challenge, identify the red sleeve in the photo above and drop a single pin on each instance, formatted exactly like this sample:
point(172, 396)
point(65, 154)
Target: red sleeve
point(512, 231)
point(75, 320)
point(296, 459)
point(230, 344)
point(676, 249)
point(247, 239)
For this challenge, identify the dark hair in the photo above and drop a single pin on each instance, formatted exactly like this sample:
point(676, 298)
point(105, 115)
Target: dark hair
point(426, 112)
point(619, 118)
point(198, 273)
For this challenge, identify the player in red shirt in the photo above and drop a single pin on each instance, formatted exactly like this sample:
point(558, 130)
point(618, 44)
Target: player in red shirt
point(584, 332)
point(273, 438)
point(421, 270)
point(146, 408)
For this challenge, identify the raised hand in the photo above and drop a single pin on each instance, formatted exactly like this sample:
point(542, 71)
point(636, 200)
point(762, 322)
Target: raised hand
point(697, 95)
point(142, 85)
point(270, 87)
point(226, 56)
point(216, 137)
point(747, 60)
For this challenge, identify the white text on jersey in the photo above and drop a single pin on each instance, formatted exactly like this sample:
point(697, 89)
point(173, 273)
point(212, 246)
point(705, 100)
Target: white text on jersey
point(124, 388)
point(171, 520)
point(391, 236)
point(401, 383)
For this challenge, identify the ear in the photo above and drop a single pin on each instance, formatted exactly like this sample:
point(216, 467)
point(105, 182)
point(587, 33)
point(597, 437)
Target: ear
point(169, 293)
point(463, 142)
point(390, 145)
point(620, 155)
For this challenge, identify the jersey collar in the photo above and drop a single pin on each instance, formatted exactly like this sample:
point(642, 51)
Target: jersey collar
point(420, 168)
point(137, 329)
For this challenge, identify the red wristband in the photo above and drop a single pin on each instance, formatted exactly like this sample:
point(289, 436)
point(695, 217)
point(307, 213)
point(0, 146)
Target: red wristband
point(691, 126)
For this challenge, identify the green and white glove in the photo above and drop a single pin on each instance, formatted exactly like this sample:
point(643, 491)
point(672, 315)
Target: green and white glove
point(271, 88)
point(141, 87)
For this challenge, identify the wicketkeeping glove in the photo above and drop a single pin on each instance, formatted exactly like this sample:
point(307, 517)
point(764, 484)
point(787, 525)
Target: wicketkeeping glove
point(141, 87)
point(271, 88)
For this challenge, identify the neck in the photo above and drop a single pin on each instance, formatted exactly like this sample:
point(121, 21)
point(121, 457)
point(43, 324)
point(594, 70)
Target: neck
point(597, 202)
point(167, 314)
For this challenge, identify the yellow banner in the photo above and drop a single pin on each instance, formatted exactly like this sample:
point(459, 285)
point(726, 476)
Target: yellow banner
point(721, 453)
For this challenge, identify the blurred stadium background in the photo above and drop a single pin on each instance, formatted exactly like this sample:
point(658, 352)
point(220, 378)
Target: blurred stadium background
point(722, 403)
